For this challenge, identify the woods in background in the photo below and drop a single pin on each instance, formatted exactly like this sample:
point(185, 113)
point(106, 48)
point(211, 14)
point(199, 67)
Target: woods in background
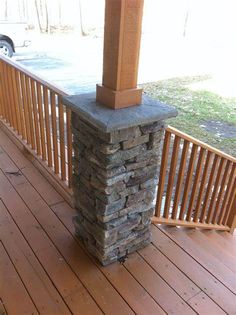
point(53, 15)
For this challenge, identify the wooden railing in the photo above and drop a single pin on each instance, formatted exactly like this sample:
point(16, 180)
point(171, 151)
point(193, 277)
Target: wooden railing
point(197, 184)
point(32, 109)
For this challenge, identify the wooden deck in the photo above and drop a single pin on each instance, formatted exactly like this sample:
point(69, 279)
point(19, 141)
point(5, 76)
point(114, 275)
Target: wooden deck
point(45, 270)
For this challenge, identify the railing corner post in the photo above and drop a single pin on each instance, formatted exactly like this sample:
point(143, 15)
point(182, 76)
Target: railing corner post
point(232, 216)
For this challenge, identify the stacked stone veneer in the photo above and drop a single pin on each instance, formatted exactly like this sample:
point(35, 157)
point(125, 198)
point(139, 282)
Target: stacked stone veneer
point(114, 186)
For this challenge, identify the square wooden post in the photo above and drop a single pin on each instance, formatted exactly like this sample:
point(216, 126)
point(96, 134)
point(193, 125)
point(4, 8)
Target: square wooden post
point(231, 222)
point(123, 26)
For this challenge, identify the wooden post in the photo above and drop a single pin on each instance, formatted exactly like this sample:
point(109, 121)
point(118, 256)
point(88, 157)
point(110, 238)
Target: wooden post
point(231, 222)
point(123, 26)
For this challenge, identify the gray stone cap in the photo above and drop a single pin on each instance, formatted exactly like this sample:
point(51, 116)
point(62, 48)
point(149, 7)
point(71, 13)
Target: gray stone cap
point(107, 119)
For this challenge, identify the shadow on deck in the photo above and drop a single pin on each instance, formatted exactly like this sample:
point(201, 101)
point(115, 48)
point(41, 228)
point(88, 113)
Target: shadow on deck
point(45, 270)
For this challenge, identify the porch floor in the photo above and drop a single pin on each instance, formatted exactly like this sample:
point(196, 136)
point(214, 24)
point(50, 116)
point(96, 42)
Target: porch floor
point(45, 270)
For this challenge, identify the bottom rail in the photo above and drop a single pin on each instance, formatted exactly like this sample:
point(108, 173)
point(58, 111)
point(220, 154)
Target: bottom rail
point(188, 224)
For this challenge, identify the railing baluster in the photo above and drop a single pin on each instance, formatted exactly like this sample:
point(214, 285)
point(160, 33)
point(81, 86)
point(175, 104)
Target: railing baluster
point(48, 128)
point(8, 106)
point(231, 220)
point(222, 188)
point(161, 184)
point(35, 114)
point(202, 186)
point(2, 94)
point(188, 181)
point(222, 216)
point(41, 120)
point(62, 139)
point(20, 104)
point(180, 179)
point(196, 183)
point(215, 191)
point(171, 178)
point(209, 189)
point(25, 108)
point(69, 145)
point(17, 105)
point(54, 131)
point(12, 100)
point(30, 112)
point(228, 200)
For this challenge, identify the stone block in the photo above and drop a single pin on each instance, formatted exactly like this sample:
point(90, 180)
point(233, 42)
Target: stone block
point(144, 171)
point(155, 140)
point(109, 173)
point(143, 195)
point(107, 209)
point(149, 154)
point(107, 198)
point(124, 134)
point(147, 215)
point(108, 190)
point(121, 156)
point(108, 148)
point(151, 183)
point(153, 127)
point(135, 142)
point(136, 208)
point(113, 223)
point(129, 191)
point(115, 179)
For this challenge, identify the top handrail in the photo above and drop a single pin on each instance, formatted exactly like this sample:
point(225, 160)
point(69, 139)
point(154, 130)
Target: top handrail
point(200, 143)
point(34, 76)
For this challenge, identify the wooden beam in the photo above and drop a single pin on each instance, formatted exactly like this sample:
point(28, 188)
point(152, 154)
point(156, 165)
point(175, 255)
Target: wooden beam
point(122, 34)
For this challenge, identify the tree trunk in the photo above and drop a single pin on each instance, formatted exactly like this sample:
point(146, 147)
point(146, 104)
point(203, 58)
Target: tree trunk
point(81, 20)
point(38, 15)
point(186, 23)
point(6, 10)
point(59, 14)
point(47, 18)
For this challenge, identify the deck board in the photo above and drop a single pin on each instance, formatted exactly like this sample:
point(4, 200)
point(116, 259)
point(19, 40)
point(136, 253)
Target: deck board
point(205, 280)
point(42, 291)
point(15, 296)
point(204, 254)
point(55, 275)
point(2, 308)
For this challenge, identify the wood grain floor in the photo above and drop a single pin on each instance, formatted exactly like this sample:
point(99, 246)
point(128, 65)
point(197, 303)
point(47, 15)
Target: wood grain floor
point(45, 270)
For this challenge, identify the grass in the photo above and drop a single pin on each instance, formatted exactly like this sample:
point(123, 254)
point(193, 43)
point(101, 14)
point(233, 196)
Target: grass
point(196, 107)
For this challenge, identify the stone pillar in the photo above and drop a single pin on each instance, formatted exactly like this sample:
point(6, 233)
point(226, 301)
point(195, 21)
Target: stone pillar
point(122, 34)
point(116, 154)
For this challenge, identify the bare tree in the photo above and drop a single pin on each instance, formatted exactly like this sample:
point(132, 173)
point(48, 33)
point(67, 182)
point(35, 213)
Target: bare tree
point(59, 13)
point(186, 23)
point(6, 10)
point(47, 17)
point(42, 15)
point(83, 32)
point(38, 15)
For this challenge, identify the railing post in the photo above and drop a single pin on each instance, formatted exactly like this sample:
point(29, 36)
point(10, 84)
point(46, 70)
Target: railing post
point(232, 214)
point(122, 34)
point(116, 151)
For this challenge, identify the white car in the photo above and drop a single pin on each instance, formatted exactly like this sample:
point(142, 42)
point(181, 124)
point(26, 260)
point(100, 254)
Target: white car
point(13, 35)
